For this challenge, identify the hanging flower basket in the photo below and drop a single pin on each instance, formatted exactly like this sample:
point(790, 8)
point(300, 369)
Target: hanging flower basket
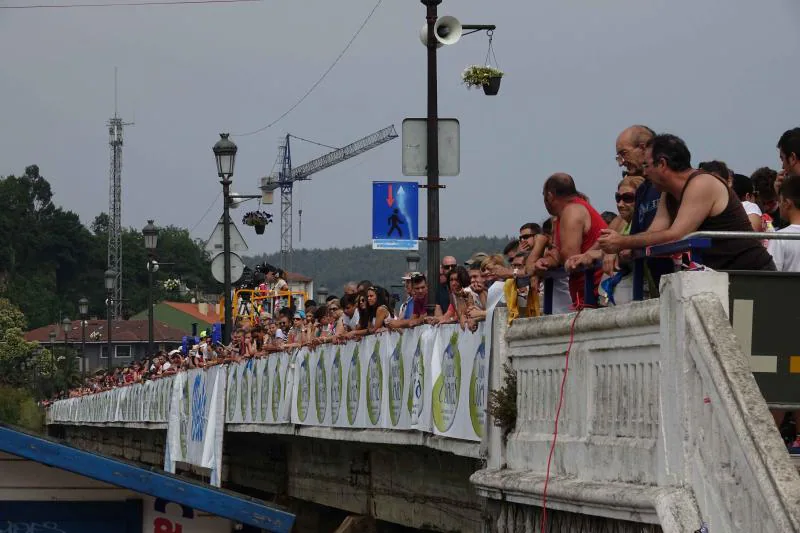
point(171, 284)
point(485, 77)
point(257, 219)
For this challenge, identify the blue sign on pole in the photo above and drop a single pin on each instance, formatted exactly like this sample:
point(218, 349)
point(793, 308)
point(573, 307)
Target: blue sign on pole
point(395, 215)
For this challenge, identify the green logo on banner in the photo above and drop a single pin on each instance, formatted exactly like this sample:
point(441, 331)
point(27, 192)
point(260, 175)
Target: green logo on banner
point(244, 391)
point(303, 388)
point(396, 382)
point(374, 385)
point(264, 392)
point(416, 392)
point(276, 390)
point(336, 386)
point(321, 382)
point(477, 389)
point(253, 393)
point(353, 387)
point(447, 387)
point(232, 393)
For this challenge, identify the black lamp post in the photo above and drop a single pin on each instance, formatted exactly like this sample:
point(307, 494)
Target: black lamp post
point(150, 233)
point(225, 154)
point(412, 260)
point(52, 336)
point(322, 294)
point(110, 276)
point(66, 324)
point(83, 309)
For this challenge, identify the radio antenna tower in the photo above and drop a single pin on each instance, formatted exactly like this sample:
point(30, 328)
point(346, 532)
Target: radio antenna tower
point(115, 137)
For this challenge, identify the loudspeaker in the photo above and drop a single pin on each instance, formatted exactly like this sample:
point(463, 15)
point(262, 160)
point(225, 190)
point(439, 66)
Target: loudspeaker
point(447, 30)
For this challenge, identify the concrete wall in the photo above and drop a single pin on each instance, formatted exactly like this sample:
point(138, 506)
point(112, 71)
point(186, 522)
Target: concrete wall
point(662, 422)
point(408, 485)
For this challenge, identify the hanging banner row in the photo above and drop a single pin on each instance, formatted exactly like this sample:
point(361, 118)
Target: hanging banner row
point(430, 379)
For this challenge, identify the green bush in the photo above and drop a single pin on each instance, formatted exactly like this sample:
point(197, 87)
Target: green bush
point(18, 408)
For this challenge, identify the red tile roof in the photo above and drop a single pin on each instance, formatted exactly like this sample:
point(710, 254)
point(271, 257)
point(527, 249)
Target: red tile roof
point(123, 331)
point(194, 311)
point(294, 276)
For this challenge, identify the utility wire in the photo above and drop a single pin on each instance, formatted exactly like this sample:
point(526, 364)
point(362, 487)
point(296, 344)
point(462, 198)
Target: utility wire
point(121, 4)
point(316, 84)
point(206, 213)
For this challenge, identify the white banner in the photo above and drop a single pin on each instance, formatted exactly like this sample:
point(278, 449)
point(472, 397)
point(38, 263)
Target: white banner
point(196, 417)
point(430, 379)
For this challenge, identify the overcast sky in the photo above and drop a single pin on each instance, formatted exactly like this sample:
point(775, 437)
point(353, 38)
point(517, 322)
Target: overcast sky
point(719, 73)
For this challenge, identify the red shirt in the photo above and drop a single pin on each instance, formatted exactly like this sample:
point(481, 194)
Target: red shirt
point(576, 280)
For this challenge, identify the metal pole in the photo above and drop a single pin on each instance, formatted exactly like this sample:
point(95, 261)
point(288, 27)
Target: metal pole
point(433, 159)
point(83, 345)
point(150, 351)
point(226, 251)
point(109, 305)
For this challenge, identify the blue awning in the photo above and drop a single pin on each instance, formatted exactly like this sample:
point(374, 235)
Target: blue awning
point(156, 483)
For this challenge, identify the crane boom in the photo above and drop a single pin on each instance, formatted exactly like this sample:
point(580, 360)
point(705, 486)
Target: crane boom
point(343, 154)
point(287, 175)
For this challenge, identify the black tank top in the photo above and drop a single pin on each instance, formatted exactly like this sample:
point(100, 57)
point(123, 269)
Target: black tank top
point(727, 254)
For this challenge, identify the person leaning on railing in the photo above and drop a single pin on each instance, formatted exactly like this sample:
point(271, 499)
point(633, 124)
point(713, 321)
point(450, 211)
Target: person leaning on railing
point(692, 200)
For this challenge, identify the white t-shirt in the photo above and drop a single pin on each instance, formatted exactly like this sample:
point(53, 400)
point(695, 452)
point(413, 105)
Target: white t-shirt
point(751, 209)
point(786, 254)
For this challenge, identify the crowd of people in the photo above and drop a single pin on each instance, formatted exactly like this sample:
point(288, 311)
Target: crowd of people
point(661, 198)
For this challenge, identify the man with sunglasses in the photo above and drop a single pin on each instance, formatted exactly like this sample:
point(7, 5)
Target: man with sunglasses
point(448, 264)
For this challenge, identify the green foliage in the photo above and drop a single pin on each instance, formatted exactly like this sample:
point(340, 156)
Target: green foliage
point(53, 259)
point(19, 408)
point(502, 403)
point(478, 76)
point(336, 266)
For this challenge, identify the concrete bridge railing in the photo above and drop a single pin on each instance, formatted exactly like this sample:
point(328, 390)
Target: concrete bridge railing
point(662, 422)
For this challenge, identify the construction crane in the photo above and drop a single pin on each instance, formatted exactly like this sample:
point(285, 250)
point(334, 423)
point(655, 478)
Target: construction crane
point(287, 175)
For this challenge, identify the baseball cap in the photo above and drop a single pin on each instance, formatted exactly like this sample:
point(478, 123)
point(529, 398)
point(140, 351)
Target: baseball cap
point(300, 314)
point(476, 259)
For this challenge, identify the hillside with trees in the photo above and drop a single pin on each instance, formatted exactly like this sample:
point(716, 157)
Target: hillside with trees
point(49, 259)
point(335, 266)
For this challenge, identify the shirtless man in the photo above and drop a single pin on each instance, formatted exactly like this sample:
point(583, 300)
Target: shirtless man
point(692, 200)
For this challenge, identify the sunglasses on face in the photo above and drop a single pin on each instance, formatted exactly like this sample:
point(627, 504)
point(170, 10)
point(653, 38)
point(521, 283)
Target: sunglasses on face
point(626, 197)
point(526, 236)
point(448, 267)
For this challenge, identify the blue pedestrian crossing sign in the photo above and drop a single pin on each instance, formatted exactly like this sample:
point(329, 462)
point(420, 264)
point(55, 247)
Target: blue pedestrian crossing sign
point(395, 215)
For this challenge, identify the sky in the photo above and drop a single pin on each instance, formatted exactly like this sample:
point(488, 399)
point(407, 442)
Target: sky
point(718, 73)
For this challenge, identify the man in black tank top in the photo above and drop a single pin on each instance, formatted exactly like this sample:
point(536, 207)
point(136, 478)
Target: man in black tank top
point(692, 200)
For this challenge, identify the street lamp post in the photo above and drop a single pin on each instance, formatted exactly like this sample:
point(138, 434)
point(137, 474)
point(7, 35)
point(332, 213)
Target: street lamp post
point(225, 154)
point(67, 326)
point(52, 336)
point(150, 233)
point(110, 276)
point(83, 309)
point(433, 155)
point(412, 260)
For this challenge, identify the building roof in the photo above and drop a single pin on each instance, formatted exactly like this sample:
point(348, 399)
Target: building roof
point(158, 484)
point(294, 276)
point(123, 331)
point(193, 310)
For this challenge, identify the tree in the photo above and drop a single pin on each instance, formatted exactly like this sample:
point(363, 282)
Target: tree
point(19, 359)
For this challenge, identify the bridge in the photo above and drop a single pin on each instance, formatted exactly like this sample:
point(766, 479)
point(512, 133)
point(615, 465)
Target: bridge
point(662, 424)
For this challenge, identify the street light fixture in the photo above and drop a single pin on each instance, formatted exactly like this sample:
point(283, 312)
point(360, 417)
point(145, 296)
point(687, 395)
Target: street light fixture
point(83, 309)
point(412, 259)
point(225, 154)
point(322, 294)
point(150, 233)
point(110, 276)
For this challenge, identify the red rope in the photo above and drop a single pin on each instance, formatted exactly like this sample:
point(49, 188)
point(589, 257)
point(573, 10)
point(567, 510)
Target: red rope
point(558, 414)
